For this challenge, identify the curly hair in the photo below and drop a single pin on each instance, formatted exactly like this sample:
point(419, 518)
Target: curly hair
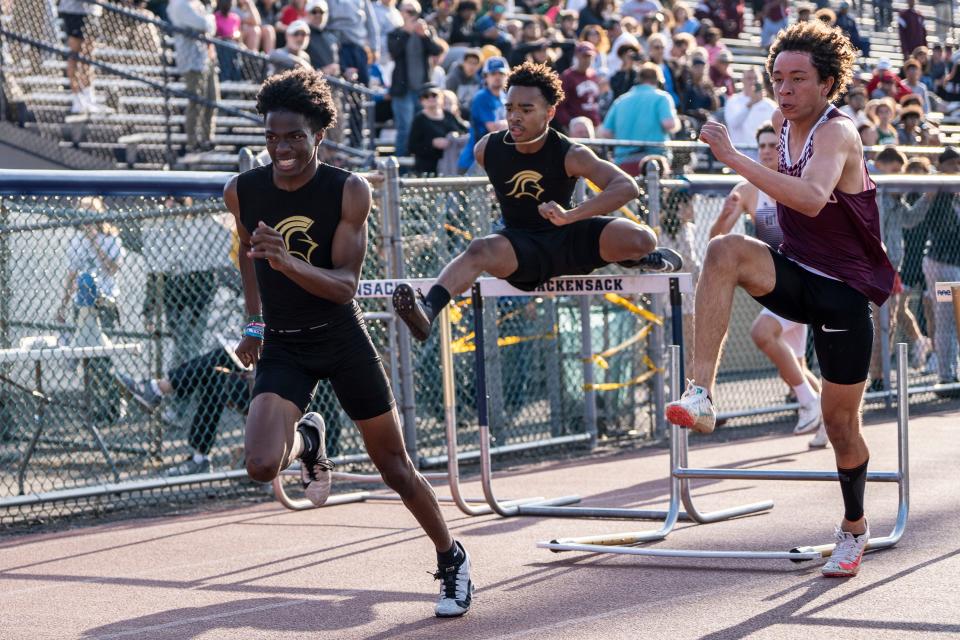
point(302, 91)
point(831, 52)
point(531, 74)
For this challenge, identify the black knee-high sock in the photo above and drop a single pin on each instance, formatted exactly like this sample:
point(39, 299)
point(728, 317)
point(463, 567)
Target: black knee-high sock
point(437, 299)
point(852, 485)
point(451, 557)
point(310, 446)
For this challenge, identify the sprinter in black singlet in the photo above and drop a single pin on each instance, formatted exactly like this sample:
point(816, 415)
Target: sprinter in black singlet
point(533, 170)
point(303, 236)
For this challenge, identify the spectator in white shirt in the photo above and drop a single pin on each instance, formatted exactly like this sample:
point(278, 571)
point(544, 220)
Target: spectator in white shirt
point(747, 110)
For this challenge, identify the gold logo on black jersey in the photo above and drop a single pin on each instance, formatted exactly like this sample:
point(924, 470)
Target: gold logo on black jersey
point(526, 183)
point(295, 237)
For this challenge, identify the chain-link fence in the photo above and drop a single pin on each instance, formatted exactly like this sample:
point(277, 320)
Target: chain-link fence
point(120, 303)
point(131, 91)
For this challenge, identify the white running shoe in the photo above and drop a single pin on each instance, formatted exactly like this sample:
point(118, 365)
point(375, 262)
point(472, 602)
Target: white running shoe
point(820, 439)
point(316, 471)
point(808, 418)
point(845, 560)
point(694, 410)
point(456, 588)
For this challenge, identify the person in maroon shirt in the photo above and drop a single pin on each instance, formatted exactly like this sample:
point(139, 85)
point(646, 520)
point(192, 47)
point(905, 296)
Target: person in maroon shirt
point(912, 32)
point(828, 269)
point(581, 88)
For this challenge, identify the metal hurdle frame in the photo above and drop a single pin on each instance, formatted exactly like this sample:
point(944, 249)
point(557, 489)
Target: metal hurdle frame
point(470, 506)
point(674, 284)
point(681, 475)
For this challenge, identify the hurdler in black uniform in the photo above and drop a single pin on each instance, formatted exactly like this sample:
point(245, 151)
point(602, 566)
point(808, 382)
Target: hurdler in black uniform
point(522, 182)
point(308, 338)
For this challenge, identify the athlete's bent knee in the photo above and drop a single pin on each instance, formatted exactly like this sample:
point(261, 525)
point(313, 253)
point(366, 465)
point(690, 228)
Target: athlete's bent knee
point(398, 474)
point(843, 427)
point(262, 470)
point(762, 336)
point(646, 241)
point(479, 251)
point(723, 252)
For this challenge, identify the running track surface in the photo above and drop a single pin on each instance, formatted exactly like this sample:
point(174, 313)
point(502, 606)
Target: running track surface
point(361, 571)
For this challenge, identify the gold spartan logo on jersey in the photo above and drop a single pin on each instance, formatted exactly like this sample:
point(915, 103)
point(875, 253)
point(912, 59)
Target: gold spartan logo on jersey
point(295, 237)
point(526, 183)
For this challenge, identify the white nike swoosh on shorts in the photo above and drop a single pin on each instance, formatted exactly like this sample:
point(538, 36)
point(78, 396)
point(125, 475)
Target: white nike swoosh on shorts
point(826, 329)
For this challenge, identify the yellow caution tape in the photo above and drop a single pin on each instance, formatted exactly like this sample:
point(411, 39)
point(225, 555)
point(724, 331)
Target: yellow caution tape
point(466, 345)
point(632, 308)
point(640, 379)
point(624, 210)
point(460, 232)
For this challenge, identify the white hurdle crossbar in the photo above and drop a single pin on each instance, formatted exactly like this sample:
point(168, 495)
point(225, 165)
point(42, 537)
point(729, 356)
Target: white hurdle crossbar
point(674, 284)
point(682, 474)
point(470, 506)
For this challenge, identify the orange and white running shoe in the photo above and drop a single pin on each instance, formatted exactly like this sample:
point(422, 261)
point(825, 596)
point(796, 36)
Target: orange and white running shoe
point(694, 410)
point(845, 560)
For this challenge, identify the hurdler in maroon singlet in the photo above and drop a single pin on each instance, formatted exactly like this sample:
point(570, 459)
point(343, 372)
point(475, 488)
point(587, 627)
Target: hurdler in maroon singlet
point(843, 240)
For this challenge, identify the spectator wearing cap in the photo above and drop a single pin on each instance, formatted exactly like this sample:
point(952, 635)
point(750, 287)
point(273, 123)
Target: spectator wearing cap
point(826, 16)
point(487, 111)
point(921, 55)
point(942, 264)
point(432, 130)
point(856, 107)
point(597, 36)
point(629, 73)
point(410, 47)
point(492, 29)
point(745, 111)
point(882, 112)
point(295, 10)
point(892, 86)
point(909, 131)
point(805, 11)
point(720, 74)
point(849, 26)
point(322, 46)
point(699, 95)
point(912, 71)
point(913, 33)
point(581, 88)
point(644, 113)
point(464, 78)
point(354, 24)
point(293, 54)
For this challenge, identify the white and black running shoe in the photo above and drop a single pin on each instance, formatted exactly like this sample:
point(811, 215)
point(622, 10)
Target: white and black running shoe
point(316, 470)
point(456, 588)
point(660, 260)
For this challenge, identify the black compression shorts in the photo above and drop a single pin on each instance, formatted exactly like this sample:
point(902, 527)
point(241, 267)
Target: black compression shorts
point(292, 364)
point(570, 250)
point(839, 315)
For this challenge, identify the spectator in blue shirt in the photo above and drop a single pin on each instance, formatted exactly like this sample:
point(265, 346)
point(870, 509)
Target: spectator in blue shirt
point(644, 113)
point(487, 111)
point(849, 26)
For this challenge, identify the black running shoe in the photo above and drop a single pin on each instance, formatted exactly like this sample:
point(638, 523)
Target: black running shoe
point(456, 588)
point(412, 311)
point(660, 260)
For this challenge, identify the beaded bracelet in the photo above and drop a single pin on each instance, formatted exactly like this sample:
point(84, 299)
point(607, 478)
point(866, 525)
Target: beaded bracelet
point(254, 330)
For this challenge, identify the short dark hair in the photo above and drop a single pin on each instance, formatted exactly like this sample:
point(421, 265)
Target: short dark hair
point(531, 74)
point(302, 91)
point(891, 154)
point(766, 127)
point(831, 52)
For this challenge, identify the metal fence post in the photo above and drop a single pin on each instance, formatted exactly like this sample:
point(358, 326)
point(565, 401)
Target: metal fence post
point(586, 354)
point(393, 240)
point(885, 315)
point(656, 347)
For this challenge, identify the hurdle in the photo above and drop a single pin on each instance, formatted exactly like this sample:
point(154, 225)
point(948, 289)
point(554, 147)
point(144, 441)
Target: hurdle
point(374, 289)
point(672, 284)
point(682, 474)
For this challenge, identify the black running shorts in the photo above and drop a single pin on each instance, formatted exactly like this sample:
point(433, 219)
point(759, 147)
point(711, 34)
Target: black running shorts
point(74, 24)
point(839, 315)
point(291, 365)
point(570, 250)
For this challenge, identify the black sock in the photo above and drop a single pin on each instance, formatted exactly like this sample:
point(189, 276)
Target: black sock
point(451, 557)
point(852, 485)
point(310, 446)
point(437, 299)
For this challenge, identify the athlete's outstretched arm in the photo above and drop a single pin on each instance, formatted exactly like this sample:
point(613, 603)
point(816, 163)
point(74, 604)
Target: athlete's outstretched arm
point(832, 143)
point(249, 348)
point(338, 284)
